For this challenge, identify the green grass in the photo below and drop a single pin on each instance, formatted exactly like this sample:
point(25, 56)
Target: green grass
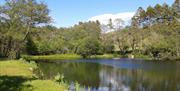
point(57, 57)
point(16, 68)
point(44, 85)
point(54, 57)
point(18, 75)
point(105, 56)
point(144, 57)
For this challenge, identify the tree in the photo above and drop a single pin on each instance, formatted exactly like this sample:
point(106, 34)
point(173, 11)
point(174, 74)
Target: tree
point(18, 17)
point(118, 24)
point(176, 6)
point(107, 42)
point(31, 47)
point(90, 46)
point(176, 10)
point(138, 18)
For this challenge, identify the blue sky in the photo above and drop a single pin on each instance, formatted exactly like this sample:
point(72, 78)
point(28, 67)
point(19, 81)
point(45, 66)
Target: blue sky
point(69, 12)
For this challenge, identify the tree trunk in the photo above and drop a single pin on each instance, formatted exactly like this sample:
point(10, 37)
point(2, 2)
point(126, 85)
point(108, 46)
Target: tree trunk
point(178, 52)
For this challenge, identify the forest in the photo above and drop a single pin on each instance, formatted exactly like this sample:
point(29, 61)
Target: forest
point(25, 29)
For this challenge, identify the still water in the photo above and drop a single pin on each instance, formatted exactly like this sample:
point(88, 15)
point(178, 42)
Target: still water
point(116, 74)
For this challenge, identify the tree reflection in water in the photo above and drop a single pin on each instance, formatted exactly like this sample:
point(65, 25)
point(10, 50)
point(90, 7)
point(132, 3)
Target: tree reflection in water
point(111, 78)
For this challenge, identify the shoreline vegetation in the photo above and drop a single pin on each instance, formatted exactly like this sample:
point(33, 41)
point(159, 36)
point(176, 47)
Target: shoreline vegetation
point(68, 57)
point(60, 57)
point(17, 75)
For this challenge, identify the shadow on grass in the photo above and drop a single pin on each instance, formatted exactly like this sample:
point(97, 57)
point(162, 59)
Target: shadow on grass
point(13, 83)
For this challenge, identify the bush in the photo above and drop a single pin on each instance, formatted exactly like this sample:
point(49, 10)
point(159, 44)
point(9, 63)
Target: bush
point(90, 46)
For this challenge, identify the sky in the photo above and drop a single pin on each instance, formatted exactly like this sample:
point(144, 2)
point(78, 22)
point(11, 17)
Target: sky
point(66, 13)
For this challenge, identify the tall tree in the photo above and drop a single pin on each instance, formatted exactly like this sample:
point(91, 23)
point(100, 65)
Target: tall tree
point(176, 5)
point(20, 16)
point(138, 18)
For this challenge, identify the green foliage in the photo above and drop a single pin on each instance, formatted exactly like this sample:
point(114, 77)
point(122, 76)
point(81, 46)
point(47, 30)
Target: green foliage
point(107, 41)
point(90, 46)
point(31, 48)
point(153, 32)
point(17, 19)
point(69, 40)
point(59, 78)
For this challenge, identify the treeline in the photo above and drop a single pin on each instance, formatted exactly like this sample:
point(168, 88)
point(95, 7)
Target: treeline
point(154, 32)
point(83, 39)
point(25, 29)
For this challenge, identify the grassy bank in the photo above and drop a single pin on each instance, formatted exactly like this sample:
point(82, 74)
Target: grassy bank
point(16, 68)
point(141, 56)
point(105, 56)
point(59, 57)
point(67, 57)
point(18, 76)
point(54, 57)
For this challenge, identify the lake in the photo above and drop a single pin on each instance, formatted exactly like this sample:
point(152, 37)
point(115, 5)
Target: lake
point(116, 74)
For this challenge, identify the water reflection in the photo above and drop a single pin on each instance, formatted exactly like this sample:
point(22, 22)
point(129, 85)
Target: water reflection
point(102, 77)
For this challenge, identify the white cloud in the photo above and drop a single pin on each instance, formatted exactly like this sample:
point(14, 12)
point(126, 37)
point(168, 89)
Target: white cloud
point(104, 18)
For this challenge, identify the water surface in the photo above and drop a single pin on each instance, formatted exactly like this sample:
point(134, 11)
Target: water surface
point(116, 75)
